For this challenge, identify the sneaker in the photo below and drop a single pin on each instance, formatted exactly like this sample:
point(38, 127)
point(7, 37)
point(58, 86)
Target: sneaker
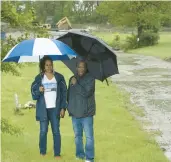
point(90, 160)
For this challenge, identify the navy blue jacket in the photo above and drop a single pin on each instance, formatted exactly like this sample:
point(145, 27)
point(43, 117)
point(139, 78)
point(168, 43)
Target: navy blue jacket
point(61, 100)
point(81, 97)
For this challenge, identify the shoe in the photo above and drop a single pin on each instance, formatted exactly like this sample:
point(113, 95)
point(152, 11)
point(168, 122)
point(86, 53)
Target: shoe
point(57, 157)
point(42, 155)
point(89, 161)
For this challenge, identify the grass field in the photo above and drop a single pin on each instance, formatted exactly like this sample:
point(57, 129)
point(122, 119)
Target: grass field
point(161, 50)
point(118, 136)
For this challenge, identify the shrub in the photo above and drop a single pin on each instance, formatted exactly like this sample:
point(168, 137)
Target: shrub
point(130, 43)
point(116, 37)
point(7, 127)
point(116, 41)
point(148, 38)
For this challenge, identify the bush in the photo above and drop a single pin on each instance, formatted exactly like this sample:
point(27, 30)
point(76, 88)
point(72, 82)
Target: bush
point(7, 127)
point(148, 38)
point(116, 37)
point(116, 44)
point(130, 43)
point(116, 41)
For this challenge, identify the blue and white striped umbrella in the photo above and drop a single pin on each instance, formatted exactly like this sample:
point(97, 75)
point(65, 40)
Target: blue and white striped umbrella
point(33, 50)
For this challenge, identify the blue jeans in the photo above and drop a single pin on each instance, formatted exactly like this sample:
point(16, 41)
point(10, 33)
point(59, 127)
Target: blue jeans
point(86, 124)
point(55, 123)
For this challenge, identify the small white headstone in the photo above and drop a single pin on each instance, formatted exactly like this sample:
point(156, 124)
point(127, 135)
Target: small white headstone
point(16, 101)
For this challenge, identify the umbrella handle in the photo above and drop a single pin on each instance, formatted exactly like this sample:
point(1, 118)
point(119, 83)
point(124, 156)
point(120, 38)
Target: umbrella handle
point(90, 50)
point(40, 70)
point(107, 82)
point(39, 65)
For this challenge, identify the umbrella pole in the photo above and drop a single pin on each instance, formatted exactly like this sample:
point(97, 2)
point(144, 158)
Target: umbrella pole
point(40, 69)
point(107, 82)
point(90, 50)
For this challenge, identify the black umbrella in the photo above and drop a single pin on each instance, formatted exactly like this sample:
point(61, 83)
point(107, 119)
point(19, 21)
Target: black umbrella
point(100, 70)
point(101, 60)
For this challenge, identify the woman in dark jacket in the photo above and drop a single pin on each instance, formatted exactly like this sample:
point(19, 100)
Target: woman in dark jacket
point(82, 107)
point(49, 89)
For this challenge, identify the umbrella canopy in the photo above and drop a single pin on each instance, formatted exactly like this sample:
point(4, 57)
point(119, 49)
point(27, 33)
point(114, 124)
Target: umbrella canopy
point(33, 50)
point(99, 70)
point(101, 59)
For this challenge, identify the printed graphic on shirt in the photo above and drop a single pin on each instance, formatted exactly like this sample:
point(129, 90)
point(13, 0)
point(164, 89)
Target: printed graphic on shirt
point(49, 87)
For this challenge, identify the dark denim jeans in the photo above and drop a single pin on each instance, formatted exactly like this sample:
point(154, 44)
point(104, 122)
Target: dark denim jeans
point(86, 124)
point(55, 123)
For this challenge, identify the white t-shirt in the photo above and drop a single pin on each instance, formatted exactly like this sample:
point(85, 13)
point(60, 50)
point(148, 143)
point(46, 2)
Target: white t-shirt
point(50, 91)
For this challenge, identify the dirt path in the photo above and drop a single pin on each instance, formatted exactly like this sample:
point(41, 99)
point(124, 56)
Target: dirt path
point(148, 80)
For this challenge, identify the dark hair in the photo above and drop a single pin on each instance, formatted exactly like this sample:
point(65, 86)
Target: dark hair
point(85, 63)
point(42, 63)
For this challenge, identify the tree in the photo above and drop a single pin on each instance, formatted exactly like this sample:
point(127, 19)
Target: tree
point(44, 9)
point(64, 9)
point(85, 12)
point(76, 11)
point(143, 15)
point(50, 8)
point(17, 16)
point(6, 46)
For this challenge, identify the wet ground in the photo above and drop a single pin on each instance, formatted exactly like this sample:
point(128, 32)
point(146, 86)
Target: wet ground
point(148, 80)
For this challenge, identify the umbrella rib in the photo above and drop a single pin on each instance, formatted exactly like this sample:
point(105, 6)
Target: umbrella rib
point(91, 48)
point(102, 72)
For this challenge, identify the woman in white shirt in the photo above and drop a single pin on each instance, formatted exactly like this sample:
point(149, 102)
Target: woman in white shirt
point(49, 89)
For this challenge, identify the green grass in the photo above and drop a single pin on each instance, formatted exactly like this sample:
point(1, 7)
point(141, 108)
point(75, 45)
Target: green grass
point(161, 50)
point(118, 136)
